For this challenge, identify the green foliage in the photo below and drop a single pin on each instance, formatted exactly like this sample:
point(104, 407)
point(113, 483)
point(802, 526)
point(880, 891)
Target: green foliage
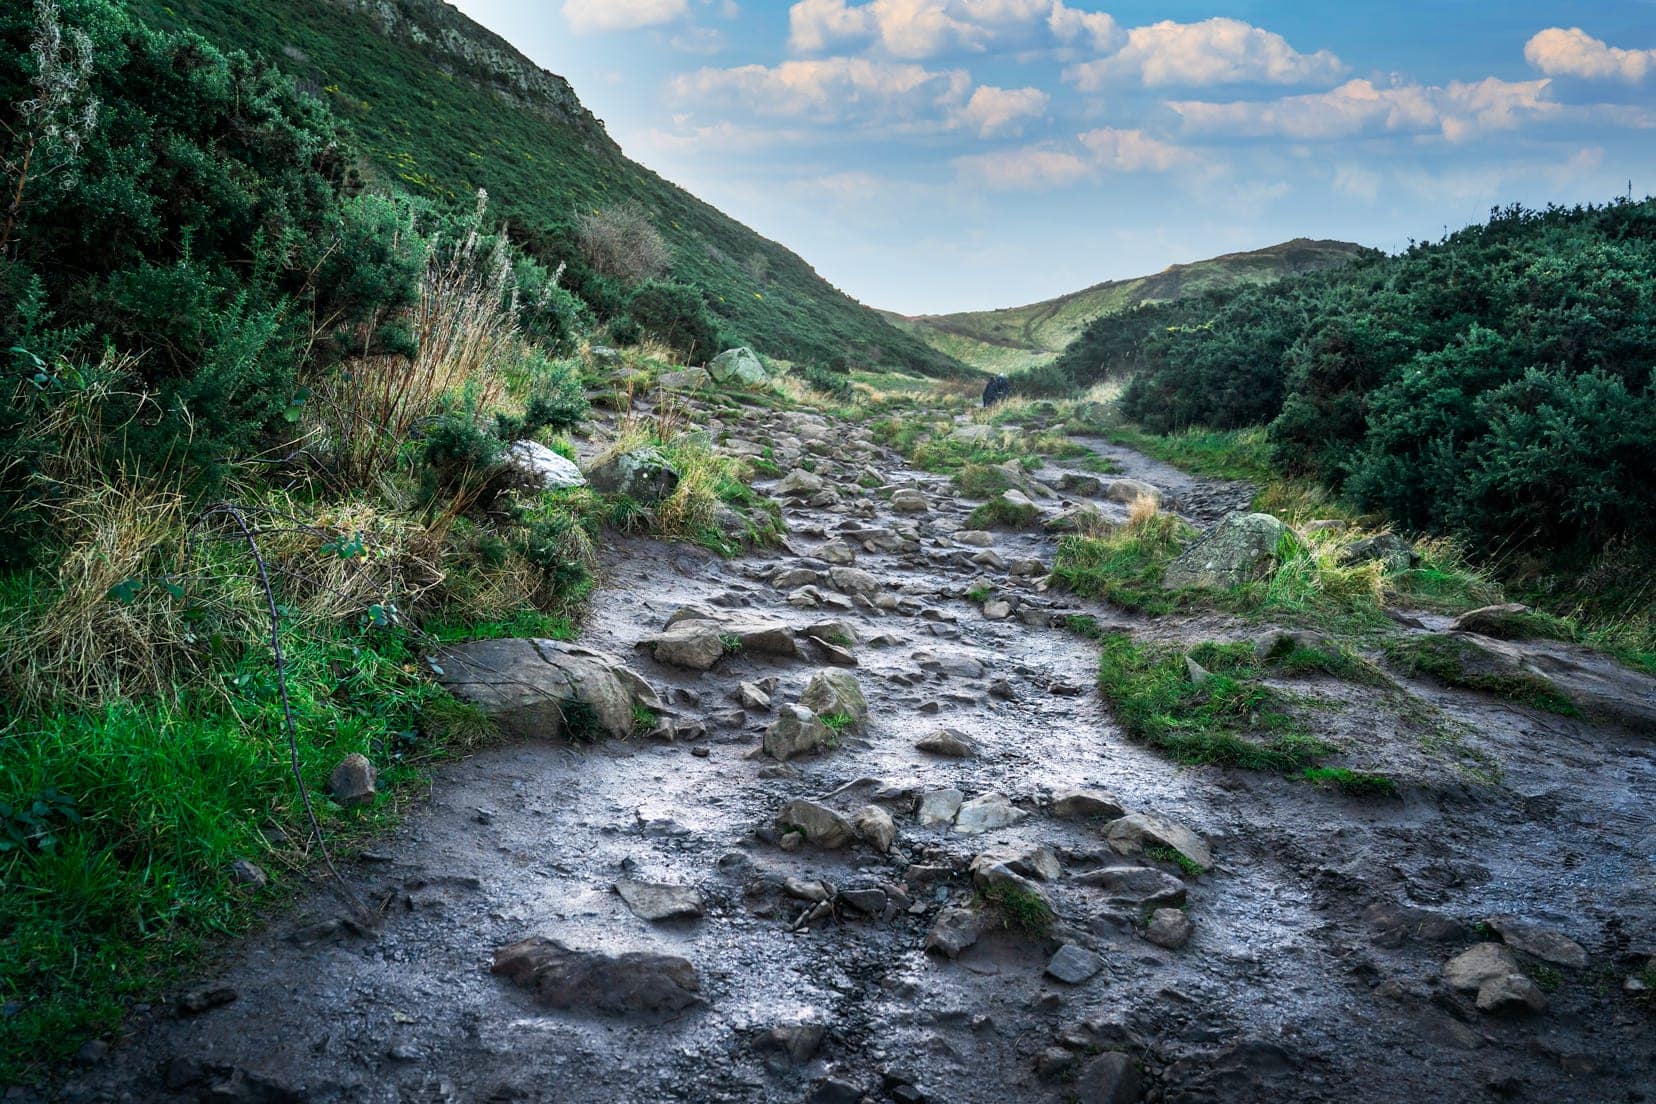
point(436, 122)
point(1497, 385)
point(1001, 513)
point(1353, 783)
point(556, 397)
point(559, 547)
point(1455, 662)
point(1188, 866)
point(837, 722)
point(1019, 908)
point(982, 480)
point(1125, 567)
point(676, 314)
point(1229, 719)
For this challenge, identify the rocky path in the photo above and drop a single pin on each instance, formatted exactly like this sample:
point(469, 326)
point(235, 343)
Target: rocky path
point(795, 899)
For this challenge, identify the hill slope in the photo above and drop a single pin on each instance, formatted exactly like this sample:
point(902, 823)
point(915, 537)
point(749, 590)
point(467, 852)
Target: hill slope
point(444, 107)
point(1013, 339)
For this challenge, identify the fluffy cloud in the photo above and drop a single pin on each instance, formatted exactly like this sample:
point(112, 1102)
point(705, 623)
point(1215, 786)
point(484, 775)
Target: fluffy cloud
point(993, 111)
point(1575, 53)
point(621, 15)
point(1100, 153)
point(921, 29)
point(1214, 51)
point(1458, 111)
point(831, 91)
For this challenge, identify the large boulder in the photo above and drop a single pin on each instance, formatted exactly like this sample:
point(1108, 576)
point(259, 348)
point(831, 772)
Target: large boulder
point(538, 467)
point(1134, 834)
point(740, 366)
point(1240, 549)
point(562, 977)
point(816, 822)
point(527, 687)
point(643, 475)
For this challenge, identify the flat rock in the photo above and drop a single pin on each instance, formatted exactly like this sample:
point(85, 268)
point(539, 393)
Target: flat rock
point(1132, 834)
point(1073, 965)
point(1027, 860)
point(563, 977)
point(1543, 943)
point(1087, 805)
point(985, 813)
point(657, 901)
point(1138, 887)
point(817, 823)
point(939, 807)
point(954, 662)
point(949, 742)
point(954, 930)
point(1131, 490)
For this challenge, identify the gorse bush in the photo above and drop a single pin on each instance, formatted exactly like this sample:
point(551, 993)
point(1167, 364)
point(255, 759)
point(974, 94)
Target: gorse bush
point(1499, 385)
point(620, 242)
point(677, 315)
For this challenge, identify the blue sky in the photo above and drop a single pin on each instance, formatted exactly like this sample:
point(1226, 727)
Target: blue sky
point(936, 155)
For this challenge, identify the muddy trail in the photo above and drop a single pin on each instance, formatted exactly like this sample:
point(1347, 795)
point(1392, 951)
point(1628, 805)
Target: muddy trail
point(791, 958)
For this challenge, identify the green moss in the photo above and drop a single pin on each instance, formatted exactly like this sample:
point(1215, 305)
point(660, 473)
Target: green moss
point(1187, 865)
point(998, 513)
point(1452, 661)
point(1355, 783)
point(1019, 908)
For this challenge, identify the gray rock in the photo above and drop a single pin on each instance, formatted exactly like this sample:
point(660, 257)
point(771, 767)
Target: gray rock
point(1026, 860)
point(1543, 943)
point(837, 552)
point(1081, 484)
point(352, 781)
point(800, 483)
point(1073, 965)
point(685, 379)
point(909, 502)
point(246, 872)
point(1168, 927)
point(562, 977)
point(1472, 969)
point(643, 475)
point(1511, 993)
point(1087, 805)
point(853, 580)
point(1496, 621)
point(949, 742)
point(997, 609)
point(1137, 887)
point(875, 826)
point(740, 366)
point(1132, 490)
point(1240, 549)
point(977, 538)
point(1594, 683)
point(796, 731)
point(867, 900)
point(939, 807)
point(1085, 518)
point(1131, 834)
point(954, 930)
point(956, 663)
point(539, 467)
point(1110, 1078)
point(985, 813)
point(696, 645)
point(800, 1042)
point(1391, 550)
point(657, 901)
point(817, 823)
point(836, 694)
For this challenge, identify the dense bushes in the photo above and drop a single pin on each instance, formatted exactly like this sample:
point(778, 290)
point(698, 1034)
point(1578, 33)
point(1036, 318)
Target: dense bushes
point(1499, 384)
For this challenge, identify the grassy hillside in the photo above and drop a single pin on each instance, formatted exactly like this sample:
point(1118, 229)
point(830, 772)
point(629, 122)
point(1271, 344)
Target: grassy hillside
point(443, 108)
point(1014, 339)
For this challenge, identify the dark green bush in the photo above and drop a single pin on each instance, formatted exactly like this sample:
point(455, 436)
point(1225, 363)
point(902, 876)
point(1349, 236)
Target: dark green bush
point(677, 314)
point(556, 546)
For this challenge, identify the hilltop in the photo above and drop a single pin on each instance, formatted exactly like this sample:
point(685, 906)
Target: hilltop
point(441, 107)
point(1014, 339)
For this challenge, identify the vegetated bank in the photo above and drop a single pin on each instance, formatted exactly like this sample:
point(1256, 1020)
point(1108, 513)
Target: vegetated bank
point(255, 389)
point(1498, 386)
point(440, 107)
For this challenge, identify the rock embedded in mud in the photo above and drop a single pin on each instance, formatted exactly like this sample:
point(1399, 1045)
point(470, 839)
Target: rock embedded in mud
point(1492, 971)
point(1137, 887)
point(536, 466)
point(985, 813)
point(1240, 549)
point(1087, 805)
point(249, 874)
point(1132, 834)
point(954, 930)
point(658, 901)
point(526, 687)
point(740, 366)
point(853, 580)
point(997, 609)
point(353, 780)
point(1085, 518)
point(800, 483)
point(1511, 993)
point(1129, 491)
point(950, 662)
point(836, 694)
point(838, 553)
point(1595, 684)
point(875, 826)
point(949, 742)
point(1025, 860)
point(1168, 927)
point(939, 807)
point(909, 501)
point(799, 1042)
point(634, 982)
point(1539, 942)
point(688, 379)
point(643, 475)
point(1073, 965)
point(817, 823)
point(1110, 1078)
point(977, 538)
point(797, 730)
point(1275, 643)
point(1500, 621)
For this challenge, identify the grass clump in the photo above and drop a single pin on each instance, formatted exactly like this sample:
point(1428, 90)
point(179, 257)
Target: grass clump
point(983, 480)
point(1456, 662)
point(1226, 717)
point(1003, 513)
point(1124, 568)
point(1353, 783)
point(1022, 909)
point(1187, 865)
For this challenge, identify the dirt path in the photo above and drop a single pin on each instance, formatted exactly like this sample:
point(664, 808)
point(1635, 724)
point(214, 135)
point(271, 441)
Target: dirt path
point(1319, 936)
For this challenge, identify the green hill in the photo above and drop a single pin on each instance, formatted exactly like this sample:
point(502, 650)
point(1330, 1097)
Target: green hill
point(1014, 339)
point(444, 107)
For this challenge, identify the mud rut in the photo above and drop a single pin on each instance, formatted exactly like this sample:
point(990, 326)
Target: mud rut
point(1307, 977)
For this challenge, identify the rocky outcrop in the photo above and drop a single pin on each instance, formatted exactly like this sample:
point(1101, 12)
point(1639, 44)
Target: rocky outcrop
point(643, 475)
point(1241, 549)
point(527, 687)
point(740, 366)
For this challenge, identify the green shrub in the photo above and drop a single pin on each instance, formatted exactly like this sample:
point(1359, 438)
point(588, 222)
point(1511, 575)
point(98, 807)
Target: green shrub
point(676, 314)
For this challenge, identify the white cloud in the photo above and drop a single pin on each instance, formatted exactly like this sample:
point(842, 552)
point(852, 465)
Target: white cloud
point(621, 15)
point(1575, 53)
point(993, 111)
point(1458, 111)
point(1214, 51)
point(1101, 152)
point(1357, 182)
point(920, 29)
point(831, 90)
